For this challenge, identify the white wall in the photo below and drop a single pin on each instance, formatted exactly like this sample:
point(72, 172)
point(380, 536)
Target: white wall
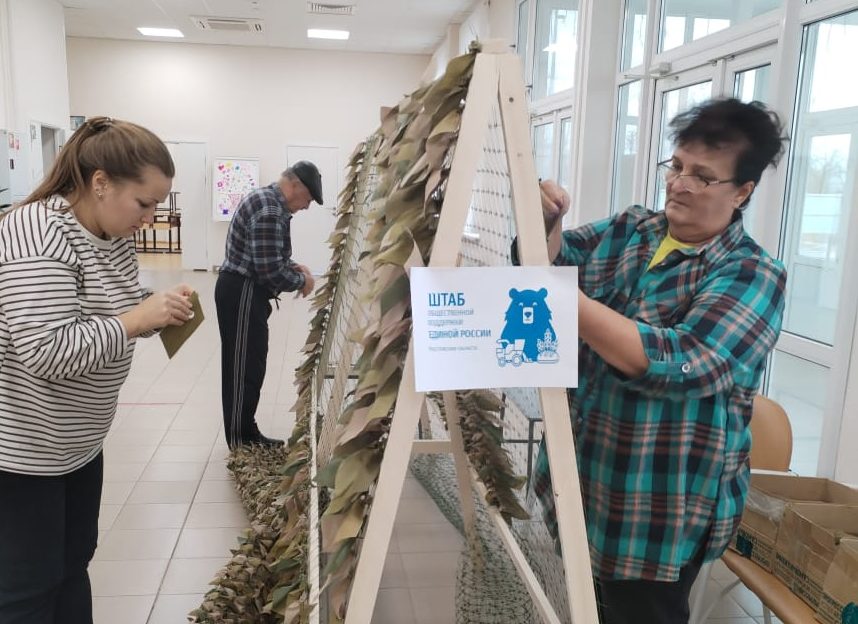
point(446, 50)
point(37, 63)
point(594, 113)
point(33, 81)
point(502, 15)
point(488, 19)
point(5, 70)
point(476, 26)
point(242, 101)
point(846, 468)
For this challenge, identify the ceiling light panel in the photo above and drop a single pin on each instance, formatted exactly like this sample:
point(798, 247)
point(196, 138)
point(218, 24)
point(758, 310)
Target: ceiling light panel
point(160, 32)
point(322, 33)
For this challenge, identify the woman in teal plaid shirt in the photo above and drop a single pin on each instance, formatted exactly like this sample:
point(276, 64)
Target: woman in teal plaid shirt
point(678, 311)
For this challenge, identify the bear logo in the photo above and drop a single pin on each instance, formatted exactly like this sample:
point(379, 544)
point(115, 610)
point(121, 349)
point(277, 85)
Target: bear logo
point(528, 335)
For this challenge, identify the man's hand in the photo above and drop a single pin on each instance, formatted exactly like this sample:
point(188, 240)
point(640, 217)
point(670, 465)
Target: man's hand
point(309, 280)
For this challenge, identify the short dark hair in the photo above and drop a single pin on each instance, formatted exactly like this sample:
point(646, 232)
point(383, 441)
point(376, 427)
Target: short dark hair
point(727, 121)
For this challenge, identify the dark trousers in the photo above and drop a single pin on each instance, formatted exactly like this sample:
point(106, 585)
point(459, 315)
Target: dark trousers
point(48, 534)
point(243, 309)
point(648, 602)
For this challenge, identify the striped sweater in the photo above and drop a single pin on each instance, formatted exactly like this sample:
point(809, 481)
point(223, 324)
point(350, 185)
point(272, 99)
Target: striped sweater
point(63, 353)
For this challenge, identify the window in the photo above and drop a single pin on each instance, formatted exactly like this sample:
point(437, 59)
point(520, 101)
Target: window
point(823, 172)
point(564, 175)
point(750, 85)
point(626, 146)
point(634, 33)
point(521, 40)
point(556, 47)
point(800, 387)
point(683, 21)
point(835, 46)
point(543, 149)
point(819, 227)
point(816, 247)
point(674, 102)
point(552, 147)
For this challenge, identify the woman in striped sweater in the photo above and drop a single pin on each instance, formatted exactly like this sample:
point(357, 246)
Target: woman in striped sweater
point(71, 308)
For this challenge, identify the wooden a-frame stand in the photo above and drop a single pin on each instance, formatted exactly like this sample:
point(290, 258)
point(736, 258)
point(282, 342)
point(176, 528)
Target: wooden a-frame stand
point(496, 82)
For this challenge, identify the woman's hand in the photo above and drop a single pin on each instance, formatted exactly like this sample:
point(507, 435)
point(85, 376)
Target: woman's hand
point(169, 307)
point(555, 203)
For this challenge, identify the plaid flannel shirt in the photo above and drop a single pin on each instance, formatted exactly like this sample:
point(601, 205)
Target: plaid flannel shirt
point(663, 458)
point(259, 243)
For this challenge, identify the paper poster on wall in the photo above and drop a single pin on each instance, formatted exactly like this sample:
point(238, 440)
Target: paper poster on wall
point(495, 327)
point(233, 179)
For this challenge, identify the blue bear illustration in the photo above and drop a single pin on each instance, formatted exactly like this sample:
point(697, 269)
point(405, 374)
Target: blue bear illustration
point(528, 335)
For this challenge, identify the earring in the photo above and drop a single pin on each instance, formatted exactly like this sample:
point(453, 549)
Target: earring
point(99, 193)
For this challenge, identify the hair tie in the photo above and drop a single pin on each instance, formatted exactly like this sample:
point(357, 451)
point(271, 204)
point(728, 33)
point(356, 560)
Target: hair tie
point(98, 124)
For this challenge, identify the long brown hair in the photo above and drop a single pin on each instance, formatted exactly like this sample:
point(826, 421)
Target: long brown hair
point(119, 148)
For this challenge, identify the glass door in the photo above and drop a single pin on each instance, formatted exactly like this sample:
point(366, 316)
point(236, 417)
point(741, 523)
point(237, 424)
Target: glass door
point(673, 95)
point(748, 78)
point(744, 76)
point(819, 245)
point(552, 148)
point(543, 147)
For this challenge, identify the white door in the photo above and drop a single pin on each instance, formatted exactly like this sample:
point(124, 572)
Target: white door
point(37, 164)
point(192, 200)
point(5, 172)
point(312, 228)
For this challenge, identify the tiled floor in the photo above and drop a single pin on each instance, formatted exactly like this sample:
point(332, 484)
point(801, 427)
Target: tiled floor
point(170, 513)
point(740, 606)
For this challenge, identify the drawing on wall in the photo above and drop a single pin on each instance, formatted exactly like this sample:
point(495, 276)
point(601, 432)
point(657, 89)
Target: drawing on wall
point(233, 179)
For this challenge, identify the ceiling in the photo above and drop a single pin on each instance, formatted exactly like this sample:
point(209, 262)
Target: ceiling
point(391, 26)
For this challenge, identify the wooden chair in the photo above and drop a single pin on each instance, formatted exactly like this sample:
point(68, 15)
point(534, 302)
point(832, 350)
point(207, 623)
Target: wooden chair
point(771, 449)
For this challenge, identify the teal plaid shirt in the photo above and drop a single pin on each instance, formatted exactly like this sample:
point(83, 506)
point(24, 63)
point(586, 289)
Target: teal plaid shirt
point(663, 458)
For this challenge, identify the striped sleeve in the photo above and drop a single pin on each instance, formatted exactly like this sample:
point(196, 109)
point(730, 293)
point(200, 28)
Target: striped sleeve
point(145, 293)
point(39, 300)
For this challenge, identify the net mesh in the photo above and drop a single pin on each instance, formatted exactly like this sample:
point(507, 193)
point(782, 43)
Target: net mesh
point(488, 587)
point(339, 353)
point(489, 590)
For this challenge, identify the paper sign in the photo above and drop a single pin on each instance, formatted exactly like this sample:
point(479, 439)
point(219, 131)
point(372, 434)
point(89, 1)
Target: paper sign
point(233, 179)
point(495, 327)
point(174, 336)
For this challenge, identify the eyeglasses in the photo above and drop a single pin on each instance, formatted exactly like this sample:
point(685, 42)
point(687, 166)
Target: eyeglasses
point(692, 183)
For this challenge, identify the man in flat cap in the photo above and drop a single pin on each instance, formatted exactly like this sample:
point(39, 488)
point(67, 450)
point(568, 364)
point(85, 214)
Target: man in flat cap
point(258, 266)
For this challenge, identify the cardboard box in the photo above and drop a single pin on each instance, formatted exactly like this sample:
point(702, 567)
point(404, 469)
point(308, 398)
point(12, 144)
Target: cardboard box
point(808, 539)
point(765, 505)
point(839, 601)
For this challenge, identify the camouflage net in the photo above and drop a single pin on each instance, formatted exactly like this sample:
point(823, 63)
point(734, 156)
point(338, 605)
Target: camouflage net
point(388, 209)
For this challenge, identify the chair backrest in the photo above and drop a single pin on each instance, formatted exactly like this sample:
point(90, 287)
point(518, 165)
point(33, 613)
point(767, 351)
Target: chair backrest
point(771, 448)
